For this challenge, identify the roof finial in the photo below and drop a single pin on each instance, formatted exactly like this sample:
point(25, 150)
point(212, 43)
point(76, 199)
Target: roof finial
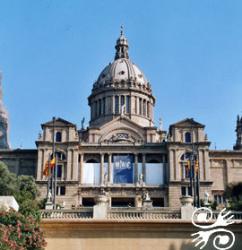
point(121, 30)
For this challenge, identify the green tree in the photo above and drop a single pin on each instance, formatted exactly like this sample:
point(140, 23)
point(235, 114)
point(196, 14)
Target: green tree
point(8, 182)
point(234, 195)
point(26, 196)
point(20, 230)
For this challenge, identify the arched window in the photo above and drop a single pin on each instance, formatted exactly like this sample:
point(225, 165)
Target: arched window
point(188, 137)
point(58, 136)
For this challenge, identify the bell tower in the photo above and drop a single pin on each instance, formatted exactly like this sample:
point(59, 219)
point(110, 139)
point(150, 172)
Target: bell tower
point(3, 121)
point(238, 130)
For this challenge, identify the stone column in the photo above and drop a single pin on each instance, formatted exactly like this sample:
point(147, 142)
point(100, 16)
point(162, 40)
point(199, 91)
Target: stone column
point(207, 165)
point(110, 179)
point(201, 165)
point(136, 177)
point(40, 164)
point(171, 165)
point(45, 159)
point(177, 166)
point(81, 168)
point(113, 106)
point(75, 165)
point(69, 164)
point(144, 166)
point(101, 169)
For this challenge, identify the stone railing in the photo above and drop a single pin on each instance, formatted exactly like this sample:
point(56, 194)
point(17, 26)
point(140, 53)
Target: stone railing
point(84, 213)
point(237, 215)
point(124, 214)
point(135, 214)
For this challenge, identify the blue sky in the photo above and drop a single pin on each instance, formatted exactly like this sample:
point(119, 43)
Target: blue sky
point(51, 52)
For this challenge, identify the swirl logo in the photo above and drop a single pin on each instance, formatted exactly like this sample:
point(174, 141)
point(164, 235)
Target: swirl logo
point(224, 238)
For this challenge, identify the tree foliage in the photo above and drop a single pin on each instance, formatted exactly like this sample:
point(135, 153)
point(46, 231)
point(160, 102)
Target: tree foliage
point(7, 181)
point(20, 230)
point(234, 195)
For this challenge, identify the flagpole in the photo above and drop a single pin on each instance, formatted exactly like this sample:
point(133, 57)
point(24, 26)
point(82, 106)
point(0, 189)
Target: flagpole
point(198, 182)
point(48, 182)
point(191, 174)
point(194, 171)
point(54, 169)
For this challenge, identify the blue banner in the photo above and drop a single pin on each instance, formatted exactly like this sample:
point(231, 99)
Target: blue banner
point(123, 168)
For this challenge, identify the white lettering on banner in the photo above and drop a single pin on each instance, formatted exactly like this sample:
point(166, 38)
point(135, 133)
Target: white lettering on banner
point(122, 164)
point(224, 239)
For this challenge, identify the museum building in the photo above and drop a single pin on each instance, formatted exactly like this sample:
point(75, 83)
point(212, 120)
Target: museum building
point(121, 152)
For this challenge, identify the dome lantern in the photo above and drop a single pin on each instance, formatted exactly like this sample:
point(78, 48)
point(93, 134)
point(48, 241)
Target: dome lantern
point(122, 46)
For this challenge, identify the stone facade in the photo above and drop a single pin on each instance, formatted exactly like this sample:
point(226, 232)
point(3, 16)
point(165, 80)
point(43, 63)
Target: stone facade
point(122, 137)
point(135, 235)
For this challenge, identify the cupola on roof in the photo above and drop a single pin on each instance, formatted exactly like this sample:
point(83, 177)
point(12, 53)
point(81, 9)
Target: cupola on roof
point(121, 69)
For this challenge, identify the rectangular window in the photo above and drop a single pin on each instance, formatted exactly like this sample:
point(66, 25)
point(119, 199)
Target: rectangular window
point(91, 174)
point(136, 106)
point(99, 107)
point(154, 174)
point(116, 104)
point(219, 199)
point(122, 202)
point(122, 100)
point(186, 191)
point(128, 104)
point(104, 111)
point(144, 108)
point(158, 202)
point(60, 190)
point(140, 106)
point(59, 171)
point(183, 191)
point(148, 109)
point(95, 109)
point(88, 202)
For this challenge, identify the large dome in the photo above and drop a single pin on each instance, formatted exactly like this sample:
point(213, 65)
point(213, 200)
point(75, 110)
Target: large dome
point(121, 69)
point(121, 89)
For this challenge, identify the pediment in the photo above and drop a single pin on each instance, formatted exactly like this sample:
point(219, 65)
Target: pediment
point(59, 122)
point(188, 122)
point(121, 131)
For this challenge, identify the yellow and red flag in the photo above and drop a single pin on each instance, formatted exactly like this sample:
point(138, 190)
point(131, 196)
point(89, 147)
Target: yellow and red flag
point(188, 164)
point(49, 165)
point(196, 166)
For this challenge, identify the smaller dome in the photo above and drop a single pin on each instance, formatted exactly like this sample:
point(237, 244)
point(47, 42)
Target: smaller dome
point(121, 69)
